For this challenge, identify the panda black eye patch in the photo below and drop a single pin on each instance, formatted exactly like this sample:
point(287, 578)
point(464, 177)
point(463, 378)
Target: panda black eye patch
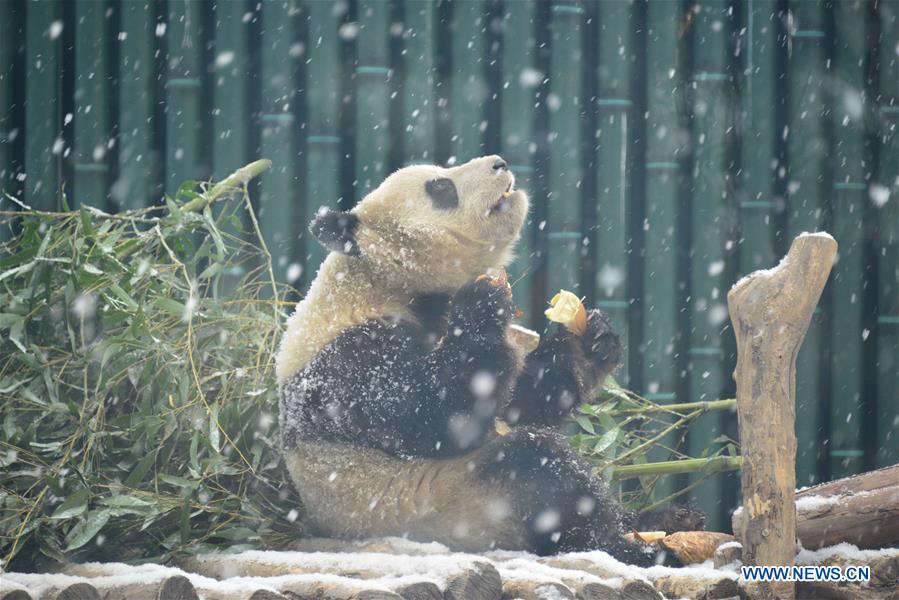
point(443, 193)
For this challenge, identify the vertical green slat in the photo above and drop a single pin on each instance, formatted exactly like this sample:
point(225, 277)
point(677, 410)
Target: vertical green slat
point(372, 104)
point(348, 129)
point(324, 102)
point(43, 107)
point(807, 150)
point(230, 136)
point(888, 321)
point(6, 116)
point(612, 139)
point(519, 82)
point(707, 286)
point(469, 86)
point(418, 101)
point(756, 246)
point(137, 161)
point(660, 287)
point(850, 195)
point(660, 300)
point(232, 109)
point(92, 123)
point(871, 244)
point(183, 86)
point(277, 200)
point(565, 106)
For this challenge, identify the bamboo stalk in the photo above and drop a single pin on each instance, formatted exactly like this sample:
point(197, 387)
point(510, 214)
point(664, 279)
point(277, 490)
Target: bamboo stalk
point(653, 440)
point(671, 467)
point(235, 181)
point(727, 404)
point(676, 494)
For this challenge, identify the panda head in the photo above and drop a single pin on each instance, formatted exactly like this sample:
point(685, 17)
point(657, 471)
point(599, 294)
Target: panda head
point(428, 228)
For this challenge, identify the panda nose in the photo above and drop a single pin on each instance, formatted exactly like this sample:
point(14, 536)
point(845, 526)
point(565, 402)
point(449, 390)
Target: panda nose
point(500, 165)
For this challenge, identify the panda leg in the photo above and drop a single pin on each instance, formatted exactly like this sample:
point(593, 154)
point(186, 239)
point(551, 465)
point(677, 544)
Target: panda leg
point(563, 507)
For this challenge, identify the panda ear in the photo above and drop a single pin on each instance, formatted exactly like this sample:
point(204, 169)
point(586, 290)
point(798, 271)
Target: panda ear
point(336, 230)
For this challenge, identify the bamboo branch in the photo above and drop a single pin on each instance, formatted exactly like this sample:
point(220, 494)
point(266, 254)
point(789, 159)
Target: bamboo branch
point(676, 494)
point(671, 467)
point(728, 404)
point(233, 182)
point(656, 438)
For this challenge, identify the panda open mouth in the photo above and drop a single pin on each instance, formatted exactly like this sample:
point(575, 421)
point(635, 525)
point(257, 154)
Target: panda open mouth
point(502, 203)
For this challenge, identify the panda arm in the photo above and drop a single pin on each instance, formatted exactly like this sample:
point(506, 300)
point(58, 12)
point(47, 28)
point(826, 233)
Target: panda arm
point(454, 392)
point(564, 371)
point(381, 385)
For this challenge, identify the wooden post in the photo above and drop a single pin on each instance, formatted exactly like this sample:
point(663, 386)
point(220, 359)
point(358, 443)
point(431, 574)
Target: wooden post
point(770, 311)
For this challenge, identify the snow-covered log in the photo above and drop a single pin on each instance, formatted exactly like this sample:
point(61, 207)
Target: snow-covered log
point(862, 510)
point(536, 590)
point(78, 591)
point(401, 569)
point(422, 590)
point(829, 590)
point(480, 582)
point(673, 586)
point(770, 311)
point(96, 585)
point(11, 590)
point(595, 591)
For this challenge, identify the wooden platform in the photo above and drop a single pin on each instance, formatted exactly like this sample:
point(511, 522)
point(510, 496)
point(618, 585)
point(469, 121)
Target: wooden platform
point(395, 568)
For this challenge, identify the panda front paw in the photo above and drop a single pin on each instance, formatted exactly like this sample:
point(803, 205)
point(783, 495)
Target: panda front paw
point(600, 344)
point(483, 305)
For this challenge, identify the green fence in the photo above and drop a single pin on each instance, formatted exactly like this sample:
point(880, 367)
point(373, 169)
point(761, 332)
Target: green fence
point(669, 148)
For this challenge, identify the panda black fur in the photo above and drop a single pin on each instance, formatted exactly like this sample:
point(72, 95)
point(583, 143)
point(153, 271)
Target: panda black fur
point(395, 365)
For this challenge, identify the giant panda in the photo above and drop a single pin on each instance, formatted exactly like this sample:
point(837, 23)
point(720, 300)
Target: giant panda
point(396, 363)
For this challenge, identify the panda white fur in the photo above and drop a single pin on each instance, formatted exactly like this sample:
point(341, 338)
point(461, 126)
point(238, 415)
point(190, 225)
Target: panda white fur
point(396, 363)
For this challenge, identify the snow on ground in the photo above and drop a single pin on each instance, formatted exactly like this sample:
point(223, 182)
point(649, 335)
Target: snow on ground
point(843, 550)
point(810, 503)
point(386, 564)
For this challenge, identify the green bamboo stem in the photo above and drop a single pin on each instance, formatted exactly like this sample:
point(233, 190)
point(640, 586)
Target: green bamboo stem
point(652, 441)
point(672, 467)
point(235, 181)
point(727, 404)
point(676, 494)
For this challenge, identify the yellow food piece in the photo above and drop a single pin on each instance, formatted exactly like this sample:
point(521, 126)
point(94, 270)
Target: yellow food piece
point(502, 428)
point(567, 309)
point(693, 547)
point(647, 537)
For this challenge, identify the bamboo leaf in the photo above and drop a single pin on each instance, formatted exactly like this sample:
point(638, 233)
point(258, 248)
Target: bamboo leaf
point(606, 441)
point(185, 520)
point(86, 223)
point(122, 500)
point(74, 505)
point(122, 295)
point(214, 435)
point(584, 423)
point(140, 470)
point(85, 531)
point(173, 307)
point(7, 320)
point(194, 459)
